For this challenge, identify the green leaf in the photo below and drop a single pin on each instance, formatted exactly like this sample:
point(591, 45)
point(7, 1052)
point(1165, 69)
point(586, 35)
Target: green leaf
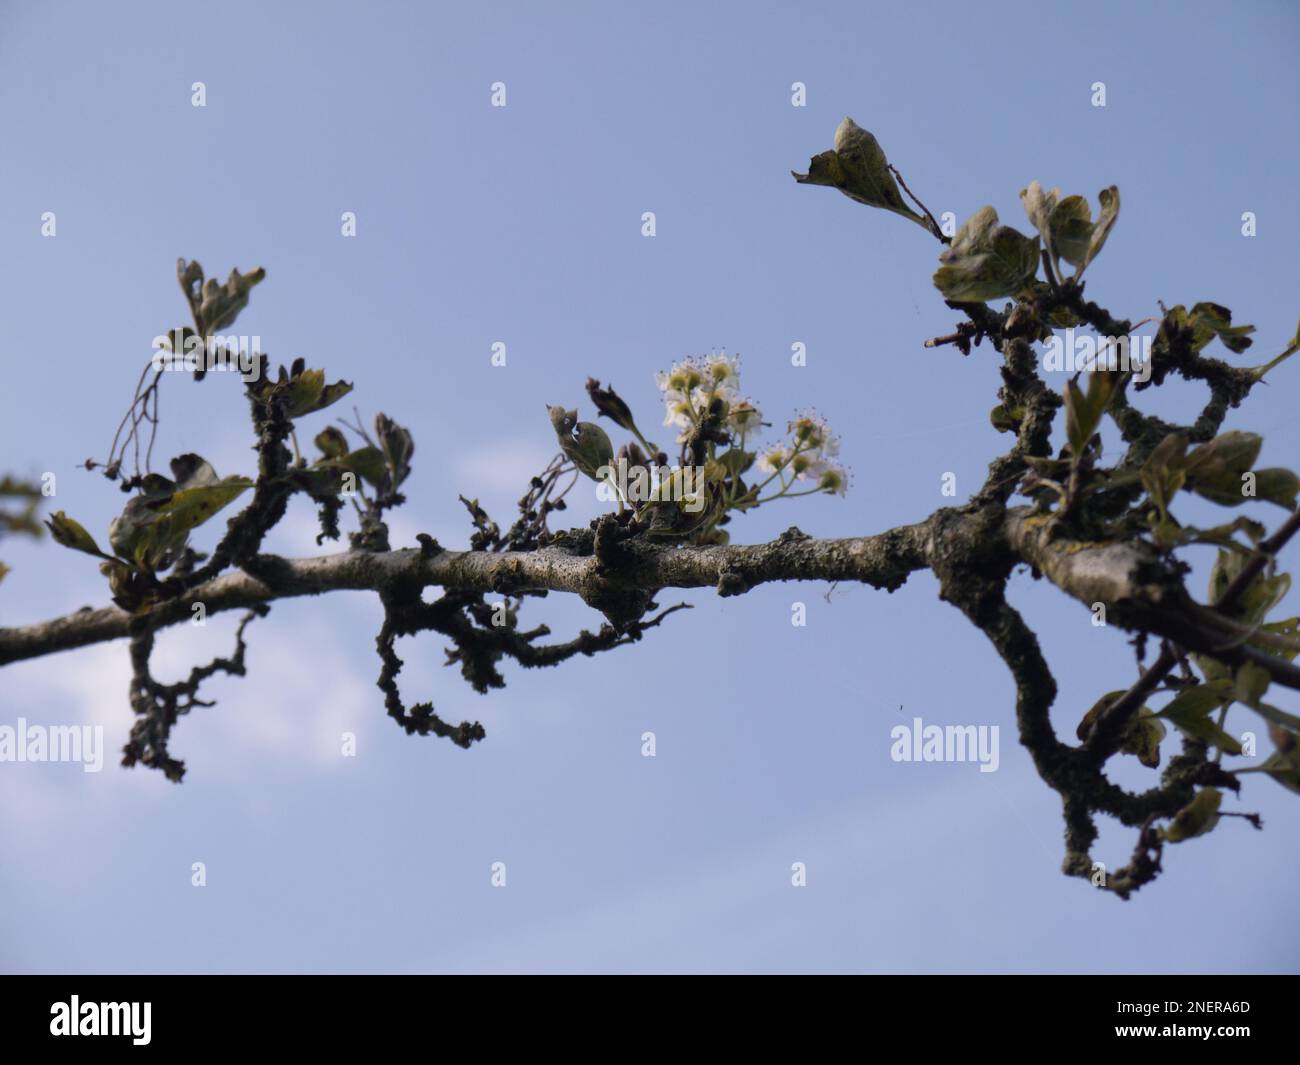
point(1072, 229)
point(1190, 710)
point(1083, 411)
point(331, 394)
point(1292, 347)
point(397, 445)
point(1197, 700)
point(367, 463)
point(304, 392)
point(1162, 474)
point(11, 487)
point(1205, 321)
point(1290, 628)
point(1196, 818)
point(1101, 230)
point(1224, 535)
point(1278, 717)
point(71, 533)
point(1277, 485)
point(1006, 419)
point(127, 532)
point(735, 461)
point(1039, 205)
point(859, 169)
point(220, 304)
point(154, 526)
point(610, 404)
point(1282, 769)
point(1142, 738)
point(332, 443)
point(1228, 491)
point(1251, 682)
point(1263, 595)
point(823, 169)
point(1079, 424)
point(1066, 225)
point(1283, 765)
point(1225, 568)
point(1216, 470)
point(190, 276)
point(1260, 596)
point(986, 260)
point(1233, 452)
point(191, 507)
point(1209, 320)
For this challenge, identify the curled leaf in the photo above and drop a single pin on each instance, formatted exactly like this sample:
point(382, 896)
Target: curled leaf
point(397, 446)
point(1039, 205)
point(155, 525)
point(859, 168)
point(332, 443)
point(610, 404)
point(1210, 320)
point(986, 260)
point(220, 304)
point(1142, 738)
point(303, 391)
point(1196, 818)
point(71, 533)
point(1101, 229)
point(1066, 225)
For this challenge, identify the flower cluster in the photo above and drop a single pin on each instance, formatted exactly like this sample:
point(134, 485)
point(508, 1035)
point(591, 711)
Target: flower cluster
point(718, 468)
point(696, 386)
point(807, 456)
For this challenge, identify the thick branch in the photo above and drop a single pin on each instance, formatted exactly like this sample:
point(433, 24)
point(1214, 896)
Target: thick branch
point(1141, 590)
point(884, 561)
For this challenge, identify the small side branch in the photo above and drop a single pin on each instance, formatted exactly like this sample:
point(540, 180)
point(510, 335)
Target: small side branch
point(159, 705)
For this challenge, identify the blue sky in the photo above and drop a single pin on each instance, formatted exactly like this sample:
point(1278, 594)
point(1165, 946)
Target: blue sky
point(522, 225)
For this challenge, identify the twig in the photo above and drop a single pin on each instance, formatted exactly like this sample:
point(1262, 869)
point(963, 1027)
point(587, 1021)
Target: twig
point(934, 225)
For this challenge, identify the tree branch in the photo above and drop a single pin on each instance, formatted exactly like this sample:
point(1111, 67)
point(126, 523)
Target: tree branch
point(883, 561)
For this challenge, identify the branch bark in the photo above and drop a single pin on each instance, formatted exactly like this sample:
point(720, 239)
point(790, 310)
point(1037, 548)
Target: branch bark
point(883, 561)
